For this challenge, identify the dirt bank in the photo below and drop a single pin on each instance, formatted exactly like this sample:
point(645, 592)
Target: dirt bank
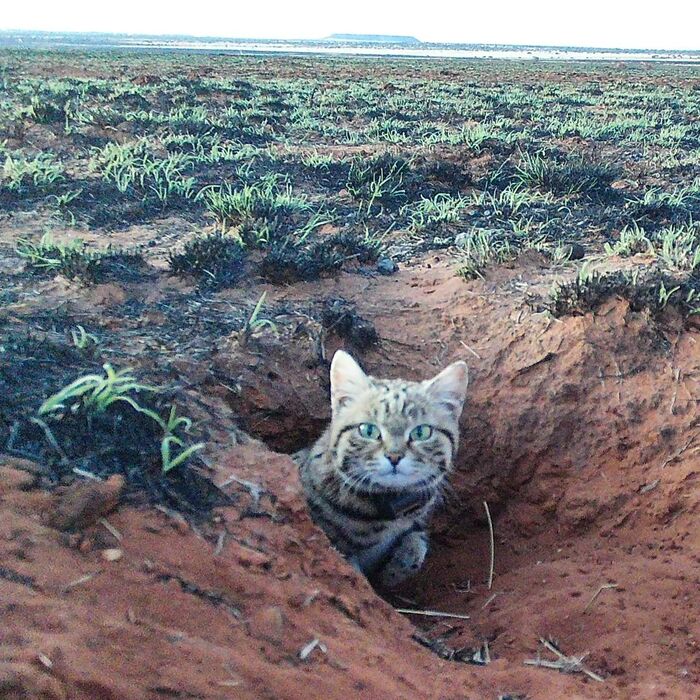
point(578, 433)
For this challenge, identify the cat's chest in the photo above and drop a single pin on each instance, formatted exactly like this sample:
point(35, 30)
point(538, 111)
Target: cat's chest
point(402, 505)
point(390, 534)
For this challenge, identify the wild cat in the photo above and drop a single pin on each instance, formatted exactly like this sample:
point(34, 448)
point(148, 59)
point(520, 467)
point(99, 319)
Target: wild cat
point(374, 476)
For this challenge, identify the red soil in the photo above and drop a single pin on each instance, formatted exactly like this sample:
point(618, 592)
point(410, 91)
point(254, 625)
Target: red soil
point(579, 433)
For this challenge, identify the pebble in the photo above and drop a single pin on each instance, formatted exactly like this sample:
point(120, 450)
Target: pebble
point(112, 554)
point(575, 251)
point(386, 266)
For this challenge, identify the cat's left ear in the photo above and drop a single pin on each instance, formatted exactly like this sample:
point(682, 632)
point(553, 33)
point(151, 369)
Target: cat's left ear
point(449, 388)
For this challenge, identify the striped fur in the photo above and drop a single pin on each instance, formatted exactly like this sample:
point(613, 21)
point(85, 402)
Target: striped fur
point(372, 489)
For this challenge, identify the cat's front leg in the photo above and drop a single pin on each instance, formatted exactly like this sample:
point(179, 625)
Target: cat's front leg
point(406, 559)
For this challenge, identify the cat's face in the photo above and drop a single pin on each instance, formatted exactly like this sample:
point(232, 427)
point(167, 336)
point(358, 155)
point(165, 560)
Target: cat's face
point(394, 434)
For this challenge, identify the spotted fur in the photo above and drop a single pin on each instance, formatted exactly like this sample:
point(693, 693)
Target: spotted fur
point(372, 491)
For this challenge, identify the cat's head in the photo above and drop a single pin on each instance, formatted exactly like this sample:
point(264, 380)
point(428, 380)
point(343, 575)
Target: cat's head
point(394, 434)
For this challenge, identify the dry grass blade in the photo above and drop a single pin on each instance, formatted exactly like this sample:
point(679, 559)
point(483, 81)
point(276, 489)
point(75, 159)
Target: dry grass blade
point(44, 660)
point(80, 581)
point(432, 613)
point(111, 529)
point(490, 600)
point(306, 650)
point(604, 587)
point(471, 350)
point(680, 451)
point(492, 544)
point(220, 543)
point(86, 474)
point(256, 491)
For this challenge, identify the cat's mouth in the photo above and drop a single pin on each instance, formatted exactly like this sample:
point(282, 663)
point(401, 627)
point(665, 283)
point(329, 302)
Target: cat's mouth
point(397, 480)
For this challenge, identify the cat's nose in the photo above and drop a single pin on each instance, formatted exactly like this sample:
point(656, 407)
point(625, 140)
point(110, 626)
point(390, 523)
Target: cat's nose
point(394, 457)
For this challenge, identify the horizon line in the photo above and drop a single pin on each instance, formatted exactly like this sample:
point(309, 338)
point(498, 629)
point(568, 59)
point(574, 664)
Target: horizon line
point(328, 37)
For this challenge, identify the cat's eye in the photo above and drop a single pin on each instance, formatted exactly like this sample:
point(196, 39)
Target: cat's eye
point(421, 432)
point(369, 431)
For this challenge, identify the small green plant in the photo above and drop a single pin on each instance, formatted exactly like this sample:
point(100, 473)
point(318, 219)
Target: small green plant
point(92, 395)
point(632, 240)
point(586, 273)
point(666, 294)
point(440, 210)
point(74, 261)
point(133, 167)
point(49, 255)
point(43, 109)
point(64, 199)
point(95, 393)
point(266, 200)
point(317, 161)
point(170, 438)
point(571, 176)
point(510, 200)
point(676, 247)
point(19, 174)
point(82, 340)
point(481, 248)
point(679, 246)
point(255, 325)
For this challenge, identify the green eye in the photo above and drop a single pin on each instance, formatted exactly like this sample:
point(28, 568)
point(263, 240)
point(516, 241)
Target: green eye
point(369, 431)
point(421, 432)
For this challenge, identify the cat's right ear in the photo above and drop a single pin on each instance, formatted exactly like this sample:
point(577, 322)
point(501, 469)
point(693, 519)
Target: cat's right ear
point(347, 380)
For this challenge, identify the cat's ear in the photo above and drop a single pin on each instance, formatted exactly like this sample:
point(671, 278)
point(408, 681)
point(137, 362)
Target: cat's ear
point(449, 388)
point(347, 380)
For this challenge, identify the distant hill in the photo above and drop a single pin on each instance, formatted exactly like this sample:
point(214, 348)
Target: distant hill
point(375, 38)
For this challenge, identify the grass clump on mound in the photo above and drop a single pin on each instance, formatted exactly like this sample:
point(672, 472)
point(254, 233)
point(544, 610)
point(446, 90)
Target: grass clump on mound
point(380, 180)
point(21, 176)
point(108, 422)
point(75, 261)
point(656, 208)
point(265, 201)
point(675, 247)
point(482, 248)
point(650, 290)
point(93, 396)
point(216, 260)
point(295, 260)
point(570, 176)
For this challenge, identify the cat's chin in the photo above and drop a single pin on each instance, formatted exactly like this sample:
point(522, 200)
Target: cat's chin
point(397, 480)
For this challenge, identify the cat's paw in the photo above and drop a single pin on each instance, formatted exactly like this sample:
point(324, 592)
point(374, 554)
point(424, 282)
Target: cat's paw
point(406, 560)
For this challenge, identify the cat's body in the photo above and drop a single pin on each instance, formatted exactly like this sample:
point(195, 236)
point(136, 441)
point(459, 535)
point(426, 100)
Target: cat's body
point(374, 476)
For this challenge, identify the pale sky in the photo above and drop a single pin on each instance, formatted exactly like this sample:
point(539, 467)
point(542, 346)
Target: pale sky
point(671, 24)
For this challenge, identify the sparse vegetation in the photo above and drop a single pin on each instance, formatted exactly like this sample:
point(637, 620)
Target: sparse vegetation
point(219, 224)
point(263, 203)
point(645, 290)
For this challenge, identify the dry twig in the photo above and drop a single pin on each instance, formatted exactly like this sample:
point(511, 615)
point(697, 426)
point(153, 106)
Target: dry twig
point(563, 663)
